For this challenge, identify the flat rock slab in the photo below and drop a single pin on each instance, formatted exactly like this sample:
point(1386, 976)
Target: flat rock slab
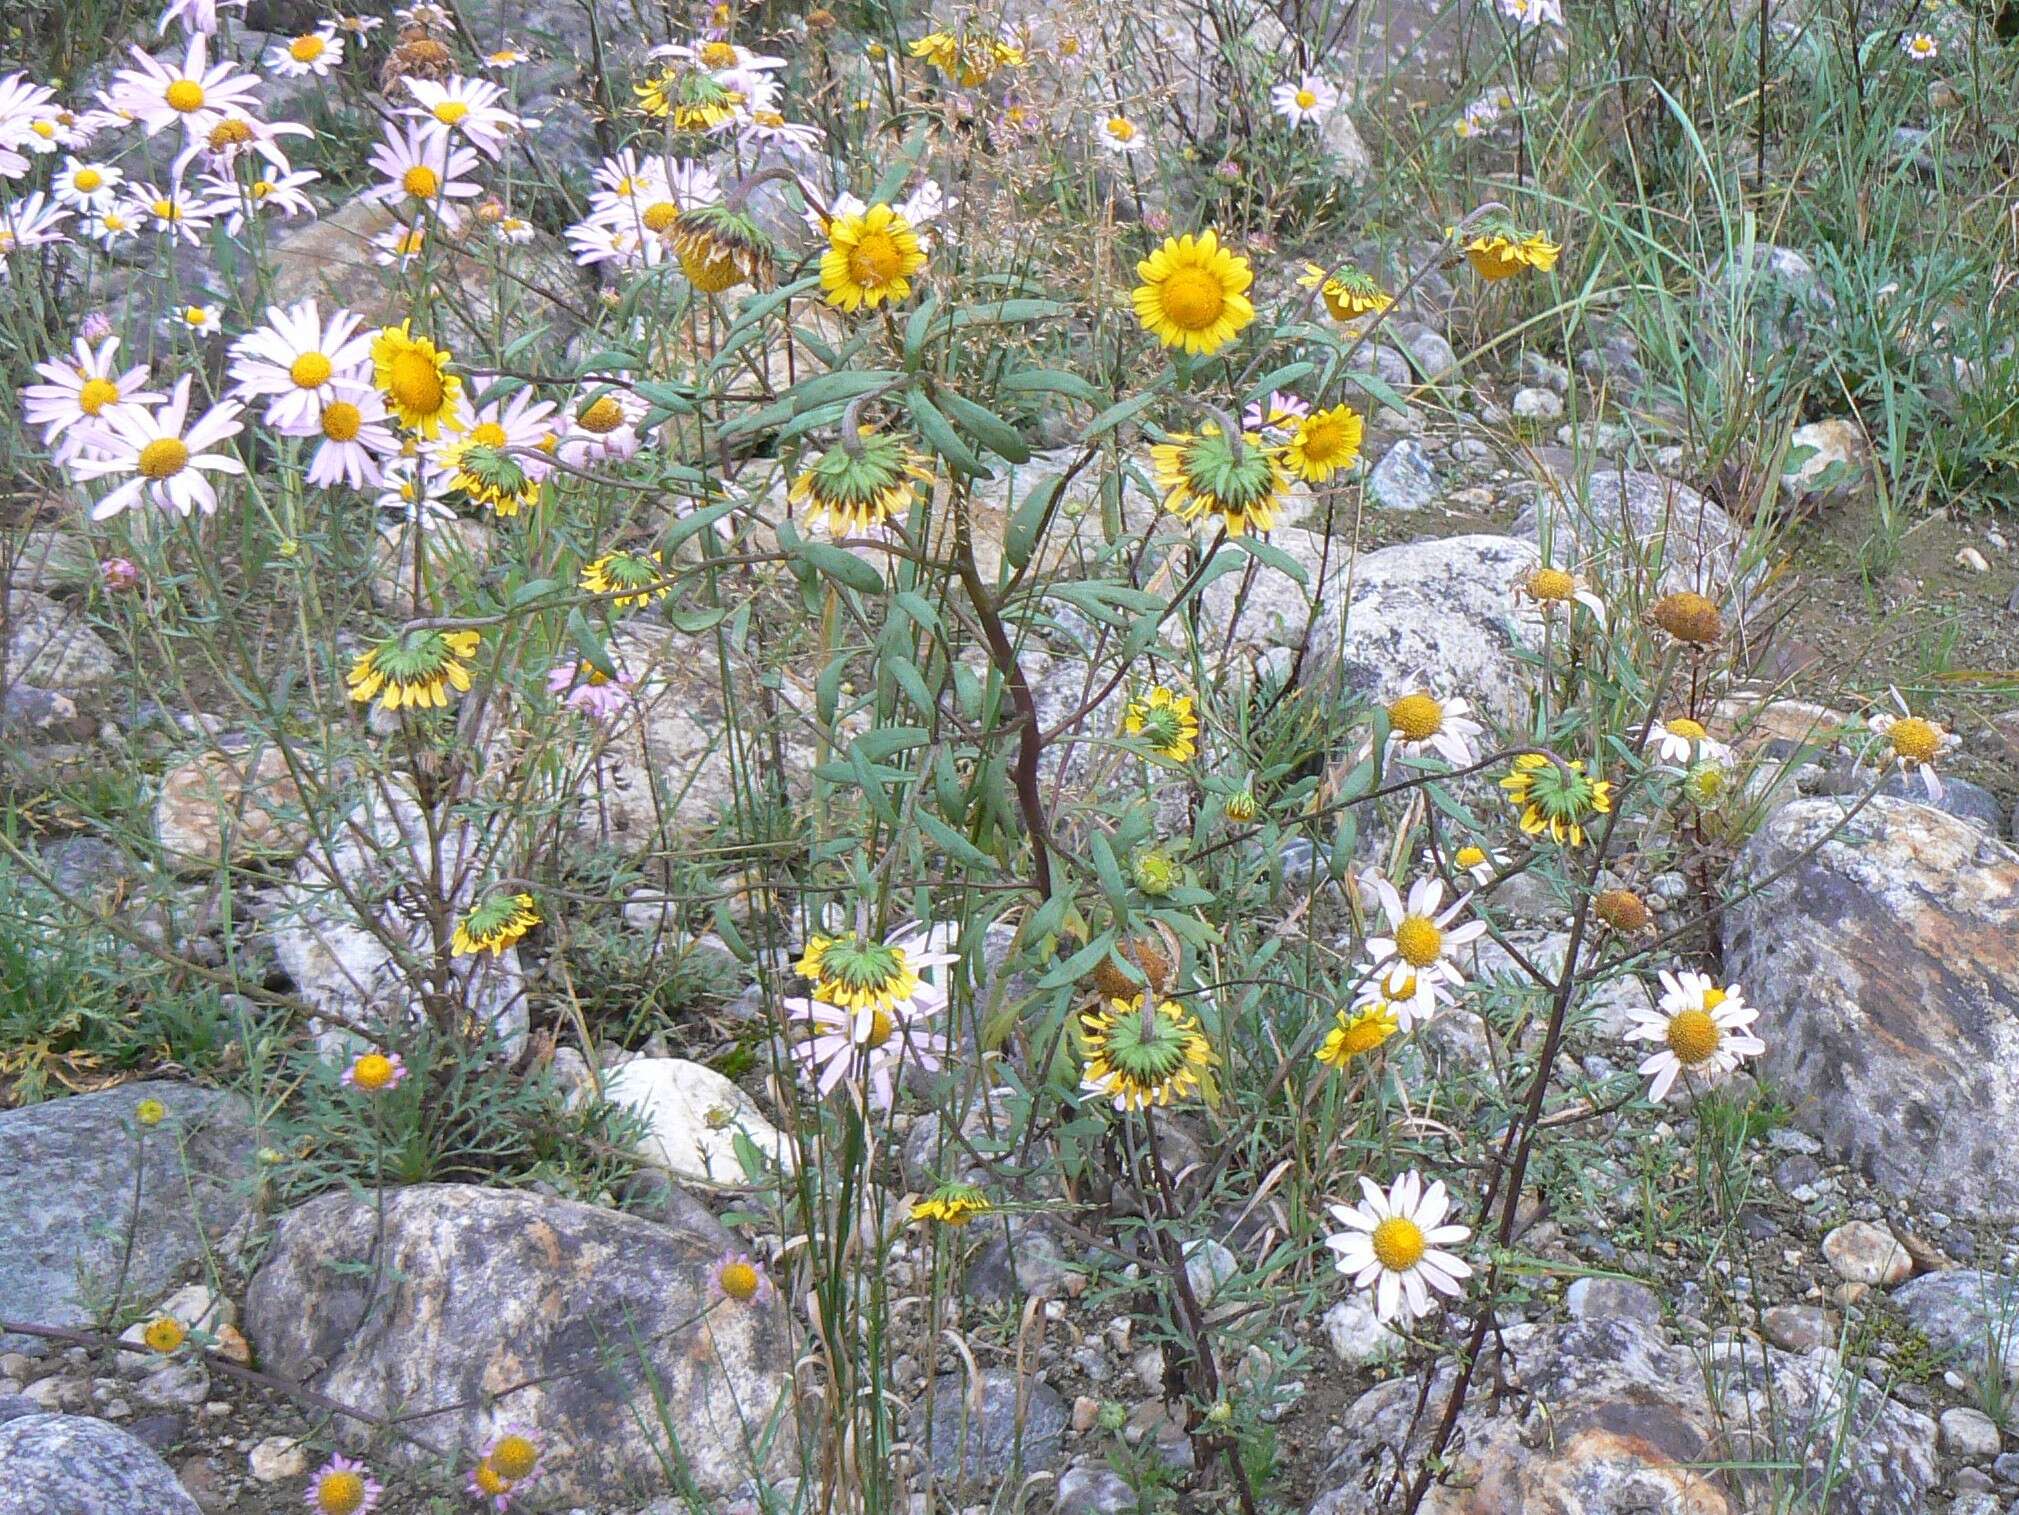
point(74, 1465)
point(1886, 960)
point(592, 1331)
point(67, 1199)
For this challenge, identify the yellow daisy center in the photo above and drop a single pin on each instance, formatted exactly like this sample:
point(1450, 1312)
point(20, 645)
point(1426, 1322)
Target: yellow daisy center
point(307, 49)
point(372, 1072)
point(168, 210)
point(414, 383)
point(1364, 1035)
point(310, 371)
point(490, 1481)
point(163, 458)
point(1193, 298)
point(87, 179)
point(1305, 99)
point(1551, 584)
point(489, 434)
point(184, 95)
point(718, 55)
point(1686, 728)
point(410, 242)
point(514, 1456)
point(1121, 129)
point(340, 1493)
point(875, 260)
point(420, 181)
point(1693, 1036)
point(602, 417)
point(261, 188)
point(1398, 1244)
point(450, 112)
point(1915, 739)
point(46, 130)
point(738, 1280)
point(1417, 717)
point(1323, 441)
point(196, 315)
point(1470, 857)
point(96, 395)
point(660, 215)
point(1418, 941)
point(341, 420)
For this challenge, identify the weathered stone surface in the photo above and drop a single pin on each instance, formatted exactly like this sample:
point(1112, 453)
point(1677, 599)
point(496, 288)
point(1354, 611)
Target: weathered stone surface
point(345, 964)
point(1357, 1335)
point(1612, 1299)
point(1835, 467)
point(1262, 605)
point(1863, 1253)
point(1611, 1417)
point(52, 646)
point(1623, 519)
point(1438, 614)
point(74, 1465)
point(994, 1428)
point(693, 1116)
point(1405, 478)
point(1889, 959)
point(66, 1198)
point(1095, 1491)
point(498, 1307)
point(1798, 1328)
point(1970, 1316)
point(1970, 1433)
point(1019, 1258)
point(228, 805)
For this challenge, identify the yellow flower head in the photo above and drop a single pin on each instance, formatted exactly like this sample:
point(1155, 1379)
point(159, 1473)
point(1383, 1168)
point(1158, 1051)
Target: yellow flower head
point(1501, 252)
point(870, 258)
point(415, 669)
point(1142, 1052)
point(1194, 293)
point(1349, 294)
point(1165, 720)
point(629, 578)
point(164, 1334)
point(494, 925)
point(1357, 1032)
point(1325, 442)
point(952, 1205)
point(858, 973)
point(413, 374)
point(1202, 475)
point(1559, 799)
point(857, 489)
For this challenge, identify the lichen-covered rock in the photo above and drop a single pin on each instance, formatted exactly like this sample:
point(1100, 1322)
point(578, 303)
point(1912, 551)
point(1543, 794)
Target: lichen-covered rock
point(1969, 1316)
point(1603, 1416)
point(67, 1199)
point(1437, 615)
point(231, 805)
point(53, 647)
point(1886, 962)
point(1623, 519)
point(74, 1465)
point(490, 1308)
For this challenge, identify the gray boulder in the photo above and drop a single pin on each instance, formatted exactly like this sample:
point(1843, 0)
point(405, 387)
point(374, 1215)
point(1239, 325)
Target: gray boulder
point(1437, 614)
point(992, 1430)
point(73, 1465)
point(53, 646)
point(1623, 519)
point(1887, 959)
point(67, 1197)
point(1972, 1318)
point(593, 1331)
point(1609, 1416)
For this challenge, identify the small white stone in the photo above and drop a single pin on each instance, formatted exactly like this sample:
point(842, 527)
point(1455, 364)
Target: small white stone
point(1537, 404)
point(1357, 1334)
point(1972, 559)
point(693, 1116)
point(1970, 1433)
point(1863, 1253)
point(278, 1459)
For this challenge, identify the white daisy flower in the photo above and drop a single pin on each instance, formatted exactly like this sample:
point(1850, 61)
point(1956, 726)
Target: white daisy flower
point(1393, 1245)
point(625, 178)
point(422, 169)
point(356, 26)
point(234, 135)
point(31, 221)
point(1675, 739)
point(1420, 942)
point(111, 227)
point(1529, 14)
point(1421, 723)
point(594, 242)
point(1307, 102)
point(281, 195)
point(22, 103)
point(1702, 1029)
point(514, 230)
point(1920, 46)
point(413, 492)
point(167, 461)
point(604, 428)
point(81, 391)
point(1479, 863)
point(198, 17)
point(1121, 136)
point(1915, 743)
point(173, 212)
point(201, 320)
point(315, 52)
point(765, 127)
point(718, 58)
point(399, 244)
point(192, 94)
point(1551, 589)
point(506, 57)
point(296, 359)
point(87, 186)
point(468, 107)
point(355, 435)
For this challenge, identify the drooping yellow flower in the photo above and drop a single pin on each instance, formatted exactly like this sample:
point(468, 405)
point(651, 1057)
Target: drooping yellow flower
point(414, 669)
point(1143, 1053)
point(494, 925)
point(858, 489)
point(1202, 475)
point(1560, 799)
point(952, 1204)
point(413, 374)
point(1499, 254)
point(1357, 1032)
point(1194, 293)
point(1325, 442)
point(1165, 719)
point(629, 578)
point(1348, 294)
point(870, 258)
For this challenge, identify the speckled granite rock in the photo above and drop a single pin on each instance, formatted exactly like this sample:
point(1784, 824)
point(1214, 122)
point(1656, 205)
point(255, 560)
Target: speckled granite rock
point(507, 1308)
point(1435, 614)
point(1607, 1416)
point(66, 1191)
point(1968, 1316)
point(1624, 517)
point(1888, 967)
point(73, 1465)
